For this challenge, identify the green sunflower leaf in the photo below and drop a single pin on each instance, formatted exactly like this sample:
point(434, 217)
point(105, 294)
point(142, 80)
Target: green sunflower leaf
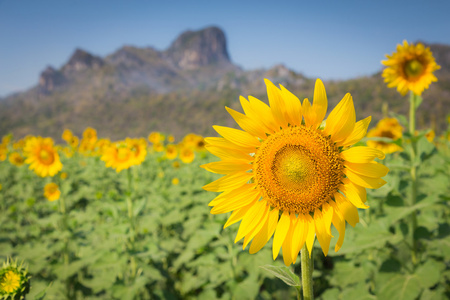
point(284, 273)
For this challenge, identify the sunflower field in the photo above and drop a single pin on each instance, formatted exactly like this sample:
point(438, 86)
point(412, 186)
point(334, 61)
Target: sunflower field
point(91, 218)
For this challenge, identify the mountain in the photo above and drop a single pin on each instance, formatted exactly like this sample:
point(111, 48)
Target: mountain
point(183, 89)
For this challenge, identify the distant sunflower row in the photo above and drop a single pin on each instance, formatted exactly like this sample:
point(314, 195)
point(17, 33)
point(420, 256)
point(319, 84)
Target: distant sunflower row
point(43, 155)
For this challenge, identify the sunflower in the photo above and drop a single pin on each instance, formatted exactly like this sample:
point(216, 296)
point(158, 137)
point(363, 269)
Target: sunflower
point(292, 178)
point(155, 137)
point(67, 135)
point(410, 68)
point(16, 159)
point(138, 148)
point(171, 151)
point(388, 128)
point(14, 280)
point(175, 181)
point(42, 156)
point(90, 135)
point(118, 156)
point(3, 152)
point(187, 155)
point(51, 191)
point(74, 141)
point(158, 147)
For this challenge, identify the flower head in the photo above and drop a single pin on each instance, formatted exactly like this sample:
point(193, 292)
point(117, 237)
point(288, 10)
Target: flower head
point(42, 156)
point(67, 135)
point(138, 148)
point(16, 159)
point(292, 178)
point(388, 128)
point(187, 155)
point(410, 68)
point(51, 191)
point(171, 151)
point(118, 156)
point(14, 280)
point(90, 135)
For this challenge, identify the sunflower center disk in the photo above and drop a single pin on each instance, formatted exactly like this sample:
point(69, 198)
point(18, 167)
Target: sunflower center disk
point(298, 169)
point(46, 157)
point(413, 68)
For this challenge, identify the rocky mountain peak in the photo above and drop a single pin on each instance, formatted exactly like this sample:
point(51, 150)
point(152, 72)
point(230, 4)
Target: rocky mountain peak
point(82, 60)
point(194, 49)
point(49, 79)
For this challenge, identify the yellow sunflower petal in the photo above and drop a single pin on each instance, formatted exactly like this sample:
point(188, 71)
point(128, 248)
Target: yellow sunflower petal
point(293, 107)
point(247, 123)
point(258, 227)
point(338, 222)
point(347, 209)
point(311, 233)
point(231, 193)
point(359, 131)
point(228, 154)
point(362, 154)
point(228, 182)
point(364, 181)
point(287, 244)
point(280, 233)
point(264, 112)
point(238, 137)
point(353, 195)
point(252, 111)
point(341, 121)
point(227, 166)
point(322, 221)
point(299, 236)
point(234, 201)
point(251, 219)
point(276, 104)
point(372, 169)
point(237, 215)
point(264, 235)
point(320, 103)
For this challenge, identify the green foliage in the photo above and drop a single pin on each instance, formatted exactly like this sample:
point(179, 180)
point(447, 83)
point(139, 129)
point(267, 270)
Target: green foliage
point(167, 245)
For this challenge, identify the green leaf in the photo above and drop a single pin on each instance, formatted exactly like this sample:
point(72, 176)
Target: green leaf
point(283, 273)
point(41, 295)
point(429, 273)
point(401, 287)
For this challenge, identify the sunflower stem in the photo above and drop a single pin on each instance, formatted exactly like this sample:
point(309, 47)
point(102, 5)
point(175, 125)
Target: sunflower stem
point(413, 172)
point(131, 220)
point(307, 270)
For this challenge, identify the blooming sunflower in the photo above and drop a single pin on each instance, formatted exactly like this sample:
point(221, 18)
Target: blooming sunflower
point(171, 152)
point(386, 128)
point(155, 137)
point(16, 159)
point(67, 135)
point(51, 191)
point(138, 148)
point(292, 178)
point(118, 156)
point(187, 155)
point(42, 156)
point(74, 141)
point(14, 280)
point(410, 68)
point(90, 135)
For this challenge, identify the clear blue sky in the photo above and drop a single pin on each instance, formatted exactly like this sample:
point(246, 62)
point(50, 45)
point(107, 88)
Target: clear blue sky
point(326, 39)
